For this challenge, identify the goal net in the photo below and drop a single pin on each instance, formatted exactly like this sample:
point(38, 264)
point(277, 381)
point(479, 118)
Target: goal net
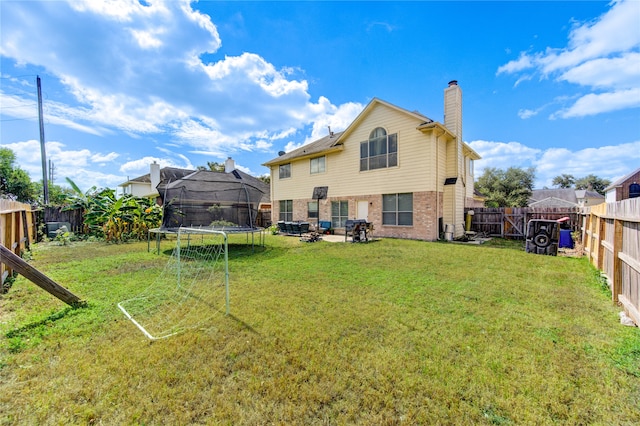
point(190, 291)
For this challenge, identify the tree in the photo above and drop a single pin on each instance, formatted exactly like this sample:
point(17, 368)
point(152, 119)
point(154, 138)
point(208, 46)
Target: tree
point(14, 182)
point(58, 195)
point(506, 188)
point(564, 181)
point(593, 183)
point(265, 178)
point(213, 166)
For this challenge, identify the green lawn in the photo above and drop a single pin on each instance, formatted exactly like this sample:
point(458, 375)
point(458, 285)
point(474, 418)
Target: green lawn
point(325, 333)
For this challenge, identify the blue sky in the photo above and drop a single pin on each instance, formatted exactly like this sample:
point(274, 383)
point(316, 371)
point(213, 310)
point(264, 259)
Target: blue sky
point(553, 85)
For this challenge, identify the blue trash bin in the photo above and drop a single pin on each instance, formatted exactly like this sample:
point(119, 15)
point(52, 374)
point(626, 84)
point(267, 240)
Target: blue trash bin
point(565, 239)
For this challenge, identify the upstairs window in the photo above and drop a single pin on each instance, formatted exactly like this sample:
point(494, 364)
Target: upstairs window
point(285, 171)
point(380, 151)
point(317, 165)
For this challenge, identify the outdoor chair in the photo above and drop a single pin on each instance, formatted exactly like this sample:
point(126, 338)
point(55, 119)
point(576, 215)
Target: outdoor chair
point(288, 227)
point(323, 226)
point(304, 227)
point(282, 227)
point(295, 228)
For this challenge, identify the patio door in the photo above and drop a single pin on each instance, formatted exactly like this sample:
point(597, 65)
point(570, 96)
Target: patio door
point(363, 210)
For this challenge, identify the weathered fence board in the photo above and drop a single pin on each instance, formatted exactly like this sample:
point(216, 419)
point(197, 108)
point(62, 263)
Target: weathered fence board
point(17, 230)
point(74, 217)
point(511, 222)
point(612, 243)
point(41, 280)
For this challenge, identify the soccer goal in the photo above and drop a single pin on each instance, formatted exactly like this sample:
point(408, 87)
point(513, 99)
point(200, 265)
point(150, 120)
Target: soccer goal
point(191, 290)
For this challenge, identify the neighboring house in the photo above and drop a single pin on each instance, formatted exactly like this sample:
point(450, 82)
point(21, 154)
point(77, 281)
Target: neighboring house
point(565, 197)
point(623, 188)
point(408, 175)
point(147, 186)
point(478, 199)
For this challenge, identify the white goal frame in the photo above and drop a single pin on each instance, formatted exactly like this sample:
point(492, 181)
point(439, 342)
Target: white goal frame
point(179, 232)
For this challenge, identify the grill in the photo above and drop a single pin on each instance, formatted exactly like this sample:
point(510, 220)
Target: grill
point(358, 229)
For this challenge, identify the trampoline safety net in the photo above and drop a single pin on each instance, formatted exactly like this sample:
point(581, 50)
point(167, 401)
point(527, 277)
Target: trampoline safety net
point(213, 199)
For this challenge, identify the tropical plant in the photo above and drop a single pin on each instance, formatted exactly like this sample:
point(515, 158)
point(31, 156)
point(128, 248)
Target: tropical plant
point(115, 219)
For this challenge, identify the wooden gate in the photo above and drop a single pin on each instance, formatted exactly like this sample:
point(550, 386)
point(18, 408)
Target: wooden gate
point(514, 223)
point(511, 222)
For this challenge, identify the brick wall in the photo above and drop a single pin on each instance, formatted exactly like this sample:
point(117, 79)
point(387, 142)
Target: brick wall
point(425, 216)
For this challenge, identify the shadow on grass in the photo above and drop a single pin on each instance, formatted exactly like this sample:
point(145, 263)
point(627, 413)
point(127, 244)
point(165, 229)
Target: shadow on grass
point(55, 316)
point(243, 324)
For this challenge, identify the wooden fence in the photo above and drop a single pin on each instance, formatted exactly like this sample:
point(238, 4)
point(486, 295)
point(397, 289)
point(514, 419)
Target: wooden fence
point(56, 214)
point(17, 230)
point(511, 222)
point(612, 243)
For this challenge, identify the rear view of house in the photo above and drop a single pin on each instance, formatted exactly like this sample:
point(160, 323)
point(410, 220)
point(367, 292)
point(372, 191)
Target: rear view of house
point(408, 175)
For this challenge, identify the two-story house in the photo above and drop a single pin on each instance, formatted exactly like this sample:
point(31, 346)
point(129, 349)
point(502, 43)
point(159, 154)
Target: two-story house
point(408, 175)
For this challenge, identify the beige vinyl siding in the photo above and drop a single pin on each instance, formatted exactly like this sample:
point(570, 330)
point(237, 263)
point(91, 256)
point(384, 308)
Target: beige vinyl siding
point(469, 178)
point(416, 170)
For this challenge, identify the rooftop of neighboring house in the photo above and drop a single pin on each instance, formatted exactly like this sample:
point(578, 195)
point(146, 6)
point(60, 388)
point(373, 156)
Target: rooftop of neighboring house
point(623, 179)
point(562, 196)
point(167, 174)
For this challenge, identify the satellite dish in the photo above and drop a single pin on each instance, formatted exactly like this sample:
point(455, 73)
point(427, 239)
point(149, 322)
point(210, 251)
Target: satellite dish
point(281, 153)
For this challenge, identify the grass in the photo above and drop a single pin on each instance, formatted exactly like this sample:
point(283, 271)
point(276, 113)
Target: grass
point(383, 333)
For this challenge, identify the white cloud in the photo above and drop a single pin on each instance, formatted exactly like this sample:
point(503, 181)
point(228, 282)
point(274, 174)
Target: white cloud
point(607, 162)
point(141, 72)
point(593, 104)
point(81, 166)
point(522, 63)
point(600, 55)
point(104, 158)
point(528, 113)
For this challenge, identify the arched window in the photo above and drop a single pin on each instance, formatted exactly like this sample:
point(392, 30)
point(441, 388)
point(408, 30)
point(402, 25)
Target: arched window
point(380, 151)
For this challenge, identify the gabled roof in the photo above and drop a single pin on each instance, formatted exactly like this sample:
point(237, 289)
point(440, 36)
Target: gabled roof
point(423, 119)
point(552, 202)
point(585, 193)
point(166, 174)
point(560, 197)
point(319, 146)
point(622, 180)
point(565, 194)
point(334, 141)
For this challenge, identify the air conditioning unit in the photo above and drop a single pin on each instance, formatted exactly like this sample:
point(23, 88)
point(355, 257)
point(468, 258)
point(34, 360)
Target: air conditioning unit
point(542, 237)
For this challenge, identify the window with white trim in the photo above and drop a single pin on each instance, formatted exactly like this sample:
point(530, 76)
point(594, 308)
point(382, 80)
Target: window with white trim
point(380, 151)
point(317, 165)
point(397, 209)
point(285, 171)
point(312, 209)
point(286, 210)
point(339, 213)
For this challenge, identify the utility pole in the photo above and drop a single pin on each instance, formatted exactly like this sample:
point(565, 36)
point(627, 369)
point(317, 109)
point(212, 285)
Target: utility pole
point(45, 182)
point(52, 168)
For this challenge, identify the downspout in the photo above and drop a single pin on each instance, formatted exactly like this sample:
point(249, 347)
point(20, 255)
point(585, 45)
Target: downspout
point(438, 182)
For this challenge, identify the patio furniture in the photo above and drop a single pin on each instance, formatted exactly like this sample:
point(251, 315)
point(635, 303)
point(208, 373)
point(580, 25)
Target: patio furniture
point(358, 229)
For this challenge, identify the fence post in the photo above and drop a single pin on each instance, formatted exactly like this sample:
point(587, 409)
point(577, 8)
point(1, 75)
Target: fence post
point(616, 285)
point(601, 234)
